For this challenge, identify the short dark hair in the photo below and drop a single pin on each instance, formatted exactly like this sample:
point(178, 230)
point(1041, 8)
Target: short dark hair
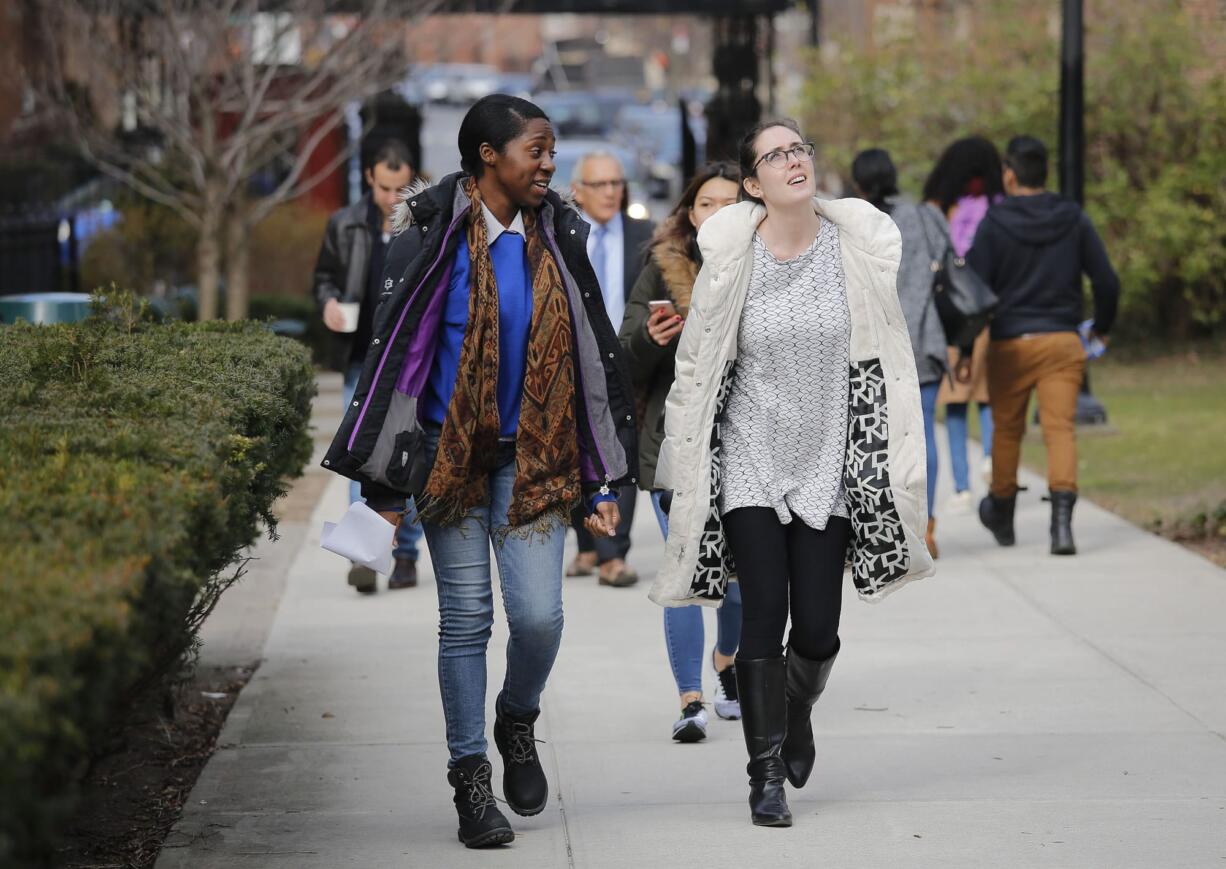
point(393, 154)
point(968, 166)
point(495, 119)
point(748, 157)
point(1027, 157)
point(875, 175)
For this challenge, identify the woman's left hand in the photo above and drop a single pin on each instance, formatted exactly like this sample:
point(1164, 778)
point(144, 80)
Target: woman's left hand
point(963, 370)
point(605, 520)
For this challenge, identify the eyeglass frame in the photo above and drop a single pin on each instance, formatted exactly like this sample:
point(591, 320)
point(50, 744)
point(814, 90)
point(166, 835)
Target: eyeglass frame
point(808, 148)
point(611, 185)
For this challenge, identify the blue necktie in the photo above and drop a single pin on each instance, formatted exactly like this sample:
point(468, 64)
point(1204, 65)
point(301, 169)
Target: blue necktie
point(599, 258)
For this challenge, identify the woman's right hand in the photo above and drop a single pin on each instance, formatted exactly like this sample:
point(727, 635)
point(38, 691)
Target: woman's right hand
point(393, 516)
point(664, 325)
point(334, 317)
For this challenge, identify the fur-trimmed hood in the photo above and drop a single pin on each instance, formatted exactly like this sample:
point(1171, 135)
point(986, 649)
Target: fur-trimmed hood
point(678, 264)
point(402, 216)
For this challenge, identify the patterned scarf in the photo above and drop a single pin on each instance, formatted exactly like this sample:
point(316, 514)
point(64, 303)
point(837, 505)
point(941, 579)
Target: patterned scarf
point(547, 447)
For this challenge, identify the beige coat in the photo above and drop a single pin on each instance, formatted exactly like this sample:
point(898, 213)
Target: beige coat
point(885, 476)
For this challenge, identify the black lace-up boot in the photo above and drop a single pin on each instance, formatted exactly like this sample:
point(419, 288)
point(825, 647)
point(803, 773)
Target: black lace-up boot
point(523, 781)
point(482, 825)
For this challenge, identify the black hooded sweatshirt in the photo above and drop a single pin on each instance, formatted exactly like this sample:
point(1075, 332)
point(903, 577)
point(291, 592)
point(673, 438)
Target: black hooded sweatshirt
point(1032, 251)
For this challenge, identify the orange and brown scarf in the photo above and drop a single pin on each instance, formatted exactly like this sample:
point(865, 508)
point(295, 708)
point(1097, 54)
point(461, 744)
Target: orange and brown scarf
point(547, 448)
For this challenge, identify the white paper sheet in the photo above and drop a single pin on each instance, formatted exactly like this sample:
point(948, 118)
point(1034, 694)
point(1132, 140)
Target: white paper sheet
point(362, 536)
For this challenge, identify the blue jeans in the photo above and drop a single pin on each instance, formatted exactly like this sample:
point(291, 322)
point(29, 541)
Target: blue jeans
point(955, 427)
point(530, 576)
point(928, 399)
point(409, 533)
point(683, 629)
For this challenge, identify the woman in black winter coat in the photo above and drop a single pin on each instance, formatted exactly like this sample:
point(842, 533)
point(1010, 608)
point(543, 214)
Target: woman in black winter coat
point(494, 392)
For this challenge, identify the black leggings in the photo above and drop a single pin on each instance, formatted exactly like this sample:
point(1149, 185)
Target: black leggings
point(772, 558)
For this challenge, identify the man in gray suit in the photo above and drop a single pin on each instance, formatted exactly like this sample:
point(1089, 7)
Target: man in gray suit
point(616, 247)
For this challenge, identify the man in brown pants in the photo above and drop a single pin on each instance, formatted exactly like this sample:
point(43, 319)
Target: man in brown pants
point(1032, 249)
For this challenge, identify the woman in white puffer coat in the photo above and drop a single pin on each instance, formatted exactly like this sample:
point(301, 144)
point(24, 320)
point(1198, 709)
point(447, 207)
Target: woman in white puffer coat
point(794, 441)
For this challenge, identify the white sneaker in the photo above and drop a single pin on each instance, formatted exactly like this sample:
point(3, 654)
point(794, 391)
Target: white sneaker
point(960, 503)
point(692, 726)
point(986, 469)
point(727, 700)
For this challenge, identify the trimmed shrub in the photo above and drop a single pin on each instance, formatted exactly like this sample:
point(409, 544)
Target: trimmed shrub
point(137, 462)
point(303, 309)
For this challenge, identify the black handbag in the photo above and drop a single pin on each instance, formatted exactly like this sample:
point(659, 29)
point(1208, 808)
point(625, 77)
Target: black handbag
point(964, 301)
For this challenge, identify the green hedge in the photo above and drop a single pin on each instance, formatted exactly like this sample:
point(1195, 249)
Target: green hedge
point(137, 462)
point(303, 309)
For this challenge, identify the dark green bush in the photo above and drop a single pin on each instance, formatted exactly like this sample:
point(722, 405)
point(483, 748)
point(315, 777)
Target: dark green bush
point(137, 462)
point(303, 309)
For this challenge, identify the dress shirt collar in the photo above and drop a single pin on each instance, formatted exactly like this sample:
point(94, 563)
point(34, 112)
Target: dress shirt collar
point(494, 229)
point(613, 227)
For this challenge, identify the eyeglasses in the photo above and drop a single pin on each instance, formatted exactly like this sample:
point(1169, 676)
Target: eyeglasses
point(780, 157)
point(616, 184)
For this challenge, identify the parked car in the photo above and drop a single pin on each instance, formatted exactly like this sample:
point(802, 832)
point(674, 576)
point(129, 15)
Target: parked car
point(455, 83)
point(583, 113)
point(517, 84)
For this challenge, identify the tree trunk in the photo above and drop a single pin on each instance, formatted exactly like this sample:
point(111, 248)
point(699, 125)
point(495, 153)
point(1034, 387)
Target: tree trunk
point(238, 269)
point(208, 270)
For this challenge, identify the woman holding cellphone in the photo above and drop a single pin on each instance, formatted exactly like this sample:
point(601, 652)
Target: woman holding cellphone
point(654, 319)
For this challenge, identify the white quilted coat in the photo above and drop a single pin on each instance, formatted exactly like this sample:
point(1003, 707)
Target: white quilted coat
point(884, 476)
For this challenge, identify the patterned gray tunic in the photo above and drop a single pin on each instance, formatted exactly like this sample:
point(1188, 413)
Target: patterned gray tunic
point(785, 426)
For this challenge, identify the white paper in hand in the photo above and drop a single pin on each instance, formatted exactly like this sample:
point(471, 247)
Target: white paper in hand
point(362, 536)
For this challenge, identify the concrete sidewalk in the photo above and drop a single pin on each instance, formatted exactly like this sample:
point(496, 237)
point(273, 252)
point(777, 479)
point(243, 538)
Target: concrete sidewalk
point(1016, 710)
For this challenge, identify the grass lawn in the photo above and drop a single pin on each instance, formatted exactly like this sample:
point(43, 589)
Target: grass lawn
point(1163, 462)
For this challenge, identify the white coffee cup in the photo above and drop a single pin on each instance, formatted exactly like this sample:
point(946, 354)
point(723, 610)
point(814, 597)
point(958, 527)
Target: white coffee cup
point(349, 310)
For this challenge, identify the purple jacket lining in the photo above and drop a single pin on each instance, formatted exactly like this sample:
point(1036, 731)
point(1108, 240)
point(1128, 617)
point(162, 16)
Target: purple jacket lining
point(420, 355)
point(391, 341)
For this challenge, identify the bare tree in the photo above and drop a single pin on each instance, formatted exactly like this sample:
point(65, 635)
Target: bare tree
point(184, 101)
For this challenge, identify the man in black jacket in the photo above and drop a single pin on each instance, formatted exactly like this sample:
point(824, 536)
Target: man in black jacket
point(1033, 249)
point(616, 246)
point(347, 290)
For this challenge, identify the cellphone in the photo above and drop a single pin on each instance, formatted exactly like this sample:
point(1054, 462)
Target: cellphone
point(662, 304)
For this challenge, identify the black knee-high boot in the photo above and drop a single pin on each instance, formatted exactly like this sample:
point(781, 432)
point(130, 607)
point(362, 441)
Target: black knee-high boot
point(806, 681)
point(761, 683)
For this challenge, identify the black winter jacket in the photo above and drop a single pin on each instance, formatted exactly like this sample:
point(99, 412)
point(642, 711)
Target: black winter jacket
point(416, 278)
point(340, 269)
point(1032, 251)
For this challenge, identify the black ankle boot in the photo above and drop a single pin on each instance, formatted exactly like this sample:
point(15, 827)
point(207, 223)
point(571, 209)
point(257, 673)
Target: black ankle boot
point(806, 680)
point(762, 686)
point(481, 824)
point(996, 514)
point(523, 781)
point(1062, 523)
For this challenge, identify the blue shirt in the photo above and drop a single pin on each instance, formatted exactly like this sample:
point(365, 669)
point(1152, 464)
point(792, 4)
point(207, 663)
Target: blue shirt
point(613, 278)
point(509, 255)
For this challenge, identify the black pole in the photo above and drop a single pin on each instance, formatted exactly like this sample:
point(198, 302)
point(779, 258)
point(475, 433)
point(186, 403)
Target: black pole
point(815, 23)
point(1090, 410)
point(1072, 102)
